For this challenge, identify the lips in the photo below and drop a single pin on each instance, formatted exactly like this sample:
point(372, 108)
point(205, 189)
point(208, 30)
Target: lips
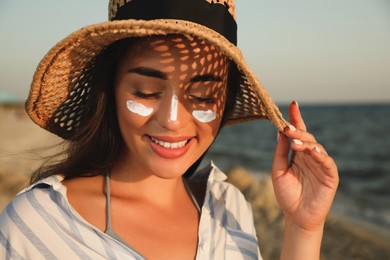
point(170, 147)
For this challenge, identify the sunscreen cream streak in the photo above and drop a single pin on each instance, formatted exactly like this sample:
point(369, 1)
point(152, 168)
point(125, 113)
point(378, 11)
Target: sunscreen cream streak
point(204, 116)
point(138, 108)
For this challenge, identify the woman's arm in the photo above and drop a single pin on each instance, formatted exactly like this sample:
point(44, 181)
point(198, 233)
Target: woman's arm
point(305, 188)
point(301, 244)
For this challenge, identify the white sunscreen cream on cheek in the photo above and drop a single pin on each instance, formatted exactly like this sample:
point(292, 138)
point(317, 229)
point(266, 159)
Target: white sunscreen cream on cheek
point(174, 105)
point(204, 116)
point(138, 108)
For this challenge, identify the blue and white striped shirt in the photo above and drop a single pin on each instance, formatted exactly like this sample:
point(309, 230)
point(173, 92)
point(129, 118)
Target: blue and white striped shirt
point(41, 224)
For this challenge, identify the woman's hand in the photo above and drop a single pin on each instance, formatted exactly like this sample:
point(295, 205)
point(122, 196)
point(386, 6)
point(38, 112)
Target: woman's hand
point(305, 186)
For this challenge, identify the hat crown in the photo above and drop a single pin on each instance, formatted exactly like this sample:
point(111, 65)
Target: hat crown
point(114, 6)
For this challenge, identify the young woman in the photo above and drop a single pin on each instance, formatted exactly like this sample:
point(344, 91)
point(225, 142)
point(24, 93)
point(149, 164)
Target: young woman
point(140, 99)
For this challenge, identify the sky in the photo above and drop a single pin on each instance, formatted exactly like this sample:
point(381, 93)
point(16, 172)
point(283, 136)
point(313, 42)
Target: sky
point(331, 51)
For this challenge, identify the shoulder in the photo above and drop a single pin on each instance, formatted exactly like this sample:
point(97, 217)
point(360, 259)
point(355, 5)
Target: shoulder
point(25, 219)
point(82, 186)
point(87, 197)
point(36, 192)
point(27, 202)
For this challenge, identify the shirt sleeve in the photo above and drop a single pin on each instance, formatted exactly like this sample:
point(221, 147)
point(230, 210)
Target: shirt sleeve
point(14, 232)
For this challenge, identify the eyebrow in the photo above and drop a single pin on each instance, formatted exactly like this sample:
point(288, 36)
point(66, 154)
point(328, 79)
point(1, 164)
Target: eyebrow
point(206, 77)
point(148, 72)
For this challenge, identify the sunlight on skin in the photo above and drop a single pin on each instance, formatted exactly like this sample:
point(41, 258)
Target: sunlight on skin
point(152, 70)
point(210, 60)
point(200, 115)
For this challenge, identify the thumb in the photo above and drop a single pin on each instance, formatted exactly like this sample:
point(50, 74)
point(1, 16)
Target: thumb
point(280, 163)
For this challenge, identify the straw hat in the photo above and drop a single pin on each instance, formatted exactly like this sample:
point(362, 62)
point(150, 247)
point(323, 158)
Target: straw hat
point(61, 82)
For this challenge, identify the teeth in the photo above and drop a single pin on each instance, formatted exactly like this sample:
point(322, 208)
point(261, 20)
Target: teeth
point(169, 145)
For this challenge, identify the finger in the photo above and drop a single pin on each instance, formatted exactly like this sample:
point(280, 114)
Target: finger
point(323, 158)
point(280, 163)
point(296, 116)
point(328, 165)
point(320, 159)
point(307, 146)
point(294, 133)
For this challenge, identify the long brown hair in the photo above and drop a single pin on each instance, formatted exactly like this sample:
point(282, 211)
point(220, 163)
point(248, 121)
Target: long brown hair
point(97, 143)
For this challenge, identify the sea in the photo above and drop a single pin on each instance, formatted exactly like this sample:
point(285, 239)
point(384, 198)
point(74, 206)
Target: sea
point(357, 136)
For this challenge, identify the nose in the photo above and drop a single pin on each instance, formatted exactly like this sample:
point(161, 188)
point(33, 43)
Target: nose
point(171, 113)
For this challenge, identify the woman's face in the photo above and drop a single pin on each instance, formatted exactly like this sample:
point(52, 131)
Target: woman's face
point(170, 94)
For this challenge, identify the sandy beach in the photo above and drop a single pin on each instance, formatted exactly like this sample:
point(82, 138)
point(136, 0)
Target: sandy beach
point(24, 145)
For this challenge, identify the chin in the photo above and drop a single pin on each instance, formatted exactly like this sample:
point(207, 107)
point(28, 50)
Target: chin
point(171, 169)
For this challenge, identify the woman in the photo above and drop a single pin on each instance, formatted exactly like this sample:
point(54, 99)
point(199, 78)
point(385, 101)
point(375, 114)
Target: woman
point(140, 99)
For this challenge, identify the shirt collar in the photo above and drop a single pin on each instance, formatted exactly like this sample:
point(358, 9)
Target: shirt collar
point(51, 181)
point(210, 172)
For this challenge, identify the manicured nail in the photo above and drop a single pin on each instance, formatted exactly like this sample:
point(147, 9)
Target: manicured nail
point(296, 103)
point(317, 149)
point(292, 128)
point(297, 141)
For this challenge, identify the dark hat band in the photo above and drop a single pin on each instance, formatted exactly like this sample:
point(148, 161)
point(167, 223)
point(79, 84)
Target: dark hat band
point(213, 16)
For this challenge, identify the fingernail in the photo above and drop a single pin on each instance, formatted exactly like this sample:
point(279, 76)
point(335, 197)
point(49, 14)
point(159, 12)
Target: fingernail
point(296, 103)
point(298, 142)
point(292, 128)
point(317, 149)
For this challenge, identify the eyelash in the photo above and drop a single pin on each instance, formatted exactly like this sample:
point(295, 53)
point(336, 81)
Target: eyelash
point(207, 100)
point(147, 96)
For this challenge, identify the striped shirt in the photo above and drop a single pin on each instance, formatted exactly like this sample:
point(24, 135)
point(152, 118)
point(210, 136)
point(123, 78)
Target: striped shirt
point(41, 224)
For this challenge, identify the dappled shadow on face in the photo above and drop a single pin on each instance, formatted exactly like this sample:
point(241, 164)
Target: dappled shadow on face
point(198, 68)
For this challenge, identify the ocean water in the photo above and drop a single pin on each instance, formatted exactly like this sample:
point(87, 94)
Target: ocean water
point(356, 136)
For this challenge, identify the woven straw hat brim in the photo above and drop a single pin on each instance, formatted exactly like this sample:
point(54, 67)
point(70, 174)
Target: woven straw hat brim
point(60, 72)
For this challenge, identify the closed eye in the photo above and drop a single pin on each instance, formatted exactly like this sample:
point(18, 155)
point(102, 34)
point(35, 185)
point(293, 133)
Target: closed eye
point(147, 95)
point(206, 100)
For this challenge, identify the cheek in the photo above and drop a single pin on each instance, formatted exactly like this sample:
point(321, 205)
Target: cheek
point(138, 108)
point(209, 114)
point(135, 111)
point(132, 115)
point(209, 130)
point(204, 116)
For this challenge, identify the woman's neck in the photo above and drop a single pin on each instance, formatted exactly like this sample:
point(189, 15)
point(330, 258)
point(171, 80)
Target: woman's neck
point(134, 182)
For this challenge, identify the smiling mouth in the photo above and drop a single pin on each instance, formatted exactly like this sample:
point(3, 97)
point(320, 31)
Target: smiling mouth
point(169, 145)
